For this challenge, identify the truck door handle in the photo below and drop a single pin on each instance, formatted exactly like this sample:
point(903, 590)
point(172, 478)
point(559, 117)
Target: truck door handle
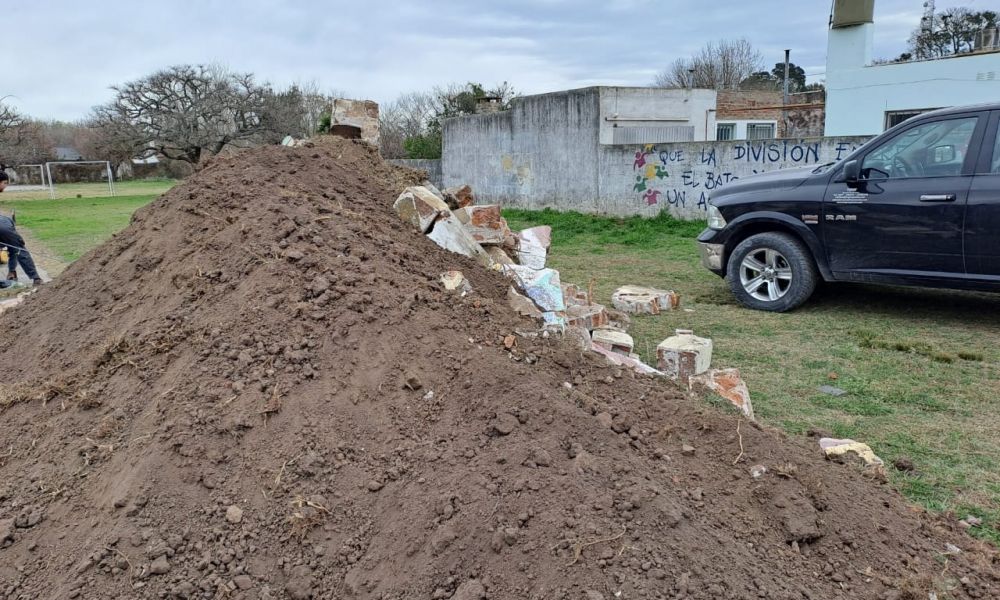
point(937, 198)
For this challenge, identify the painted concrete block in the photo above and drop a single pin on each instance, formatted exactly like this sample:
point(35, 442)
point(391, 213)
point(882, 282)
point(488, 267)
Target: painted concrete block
point(630, 362)
point(539, 236)
point(459, 196)
point(542, 286)
point(485, 223)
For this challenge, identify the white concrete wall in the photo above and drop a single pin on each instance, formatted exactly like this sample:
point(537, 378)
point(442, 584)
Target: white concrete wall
point(657, 107)
point(859, 94)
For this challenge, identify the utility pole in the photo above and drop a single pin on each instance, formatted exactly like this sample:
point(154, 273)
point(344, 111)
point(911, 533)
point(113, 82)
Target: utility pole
point(784, 96)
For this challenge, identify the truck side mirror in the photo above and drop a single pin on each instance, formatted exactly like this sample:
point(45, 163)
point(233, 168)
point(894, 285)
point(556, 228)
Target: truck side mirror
point(852, 173)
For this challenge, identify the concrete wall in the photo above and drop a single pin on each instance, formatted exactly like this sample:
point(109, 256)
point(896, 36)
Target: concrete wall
point(679, 177)
point(546, 155)
point(431, 165)
point(859, 93)
point(539, 153)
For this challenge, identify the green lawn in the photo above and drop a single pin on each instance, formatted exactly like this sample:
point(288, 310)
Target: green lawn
point(71, 227)
point(139, 187)
point(920, 365)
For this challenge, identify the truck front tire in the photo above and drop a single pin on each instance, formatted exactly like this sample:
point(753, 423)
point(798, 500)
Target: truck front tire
point(771, 271)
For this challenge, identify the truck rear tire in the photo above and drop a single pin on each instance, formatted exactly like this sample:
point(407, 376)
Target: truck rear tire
point(771, 271)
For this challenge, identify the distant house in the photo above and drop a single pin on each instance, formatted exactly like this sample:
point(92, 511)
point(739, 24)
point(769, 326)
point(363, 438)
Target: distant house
point(67, 153)
point(865, 99)
point(761, 115)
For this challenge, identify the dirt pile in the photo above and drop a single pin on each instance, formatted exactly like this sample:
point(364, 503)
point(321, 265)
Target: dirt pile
point(261, 389)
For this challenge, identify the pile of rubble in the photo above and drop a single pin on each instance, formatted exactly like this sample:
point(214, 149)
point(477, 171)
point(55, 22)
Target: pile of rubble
point(453, 221)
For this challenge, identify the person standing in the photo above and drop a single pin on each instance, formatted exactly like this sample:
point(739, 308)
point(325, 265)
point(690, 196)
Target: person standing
point(16, 248)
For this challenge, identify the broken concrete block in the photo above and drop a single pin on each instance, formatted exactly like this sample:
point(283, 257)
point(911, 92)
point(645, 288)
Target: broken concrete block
point(587, 316)
point(554, 320)
point(538, 236)
point(683, 355)
point(485, 223)
point(451, 235)
point(522, 305)
point(542, 286)
point(419, 207)
point(574, 295)
point(626, 361)
point(455, 281)
point(459, 196)
point(618, 319)
point(614, 340)
point(639, 300)
point(838, 449)
point(498, 255)
point(531, 255)
point(580, 336)
point(728, 384)
point(430, 187)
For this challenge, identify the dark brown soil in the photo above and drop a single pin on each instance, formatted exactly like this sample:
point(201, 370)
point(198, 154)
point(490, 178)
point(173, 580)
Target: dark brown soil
point(260, 390)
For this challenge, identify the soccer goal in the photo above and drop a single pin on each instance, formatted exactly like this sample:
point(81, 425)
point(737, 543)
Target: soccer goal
point(88, 172)
point(27, 178)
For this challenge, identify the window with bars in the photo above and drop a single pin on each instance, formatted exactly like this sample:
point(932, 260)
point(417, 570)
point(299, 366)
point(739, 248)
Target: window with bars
point(725, 131)
point(760, 131)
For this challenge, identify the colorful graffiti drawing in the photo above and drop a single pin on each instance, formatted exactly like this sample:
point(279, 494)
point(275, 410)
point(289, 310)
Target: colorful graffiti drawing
point(650, 171)
point(651, 197)
point(640, 159)
point(640, 184)
point(661, 173)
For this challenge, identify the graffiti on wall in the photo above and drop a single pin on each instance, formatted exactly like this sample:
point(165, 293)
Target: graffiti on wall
point(684, 178)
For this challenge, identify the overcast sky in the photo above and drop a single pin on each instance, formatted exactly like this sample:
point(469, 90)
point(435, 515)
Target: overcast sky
point(62, 56)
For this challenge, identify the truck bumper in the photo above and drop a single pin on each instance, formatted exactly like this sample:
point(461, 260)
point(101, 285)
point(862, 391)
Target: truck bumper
point(711, 256)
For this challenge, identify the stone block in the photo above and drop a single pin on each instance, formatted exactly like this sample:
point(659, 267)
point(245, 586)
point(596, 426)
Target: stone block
point(728, 384)
point(574, 295)
point(587, 316)
point(542, 286)
point(451, 235)
point(684, 355)
point(358, 116)
point(613, 339)
point(419, 207)
point(639, 300)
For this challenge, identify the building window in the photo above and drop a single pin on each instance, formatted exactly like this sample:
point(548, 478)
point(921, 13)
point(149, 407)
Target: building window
point(725, 131)
point(760, 131)
point(895, 117)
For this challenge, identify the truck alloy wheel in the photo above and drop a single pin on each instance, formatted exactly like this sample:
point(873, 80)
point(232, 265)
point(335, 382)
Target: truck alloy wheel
point(771, 271)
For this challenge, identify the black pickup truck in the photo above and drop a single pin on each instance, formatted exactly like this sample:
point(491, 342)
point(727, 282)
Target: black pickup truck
point(917, 205)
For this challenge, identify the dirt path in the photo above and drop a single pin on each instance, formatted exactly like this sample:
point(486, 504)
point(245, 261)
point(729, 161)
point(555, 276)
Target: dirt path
point(45, 259)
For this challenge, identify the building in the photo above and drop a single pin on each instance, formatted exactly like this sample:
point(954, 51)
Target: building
point(761, 115)
point(865, 99)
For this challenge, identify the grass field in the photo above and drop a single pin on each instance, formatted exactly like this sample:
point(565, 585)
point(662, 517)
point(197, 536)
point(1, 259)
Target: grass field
point(920, 365)
point(141, 187)
point(71, 227)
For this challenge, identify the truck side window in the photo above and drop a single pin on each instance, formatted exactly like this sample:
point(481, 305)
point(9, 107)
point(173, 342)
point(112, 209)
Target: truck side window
point(934, 149)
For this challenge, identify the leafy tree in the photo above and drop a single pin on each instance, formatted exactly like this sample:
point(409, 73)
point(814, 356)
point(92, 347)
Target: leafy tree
point(953, 31)
point(775, 79)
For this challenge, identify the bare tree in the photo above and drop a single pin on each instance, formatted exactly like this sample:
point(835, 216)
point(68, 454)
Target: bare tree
point(405, 117)
point(187, 112)
point(720, 65)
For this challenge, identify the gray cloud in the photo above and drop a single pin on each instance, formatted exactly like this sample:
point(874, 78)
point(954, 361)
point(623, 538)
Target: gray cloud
point(64, 56)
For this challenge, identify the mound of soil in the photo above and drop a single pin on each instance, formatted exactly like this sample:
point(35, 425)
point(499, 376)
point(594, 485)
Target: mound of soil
point(259, 389)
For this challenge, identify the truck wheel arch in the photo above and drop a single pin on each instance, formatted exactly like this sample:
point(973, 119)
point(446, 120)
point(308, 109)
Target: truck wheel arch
point(752, 224)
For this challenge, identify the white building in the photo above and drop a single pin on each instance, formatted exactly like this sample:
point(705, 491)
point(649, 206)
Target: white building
point(867, 99)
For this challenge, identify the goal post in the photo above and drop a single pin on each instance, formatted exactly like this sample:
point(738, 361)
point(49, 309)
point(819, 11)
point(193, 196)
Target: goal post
point(28, 178)
point(106, 163)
